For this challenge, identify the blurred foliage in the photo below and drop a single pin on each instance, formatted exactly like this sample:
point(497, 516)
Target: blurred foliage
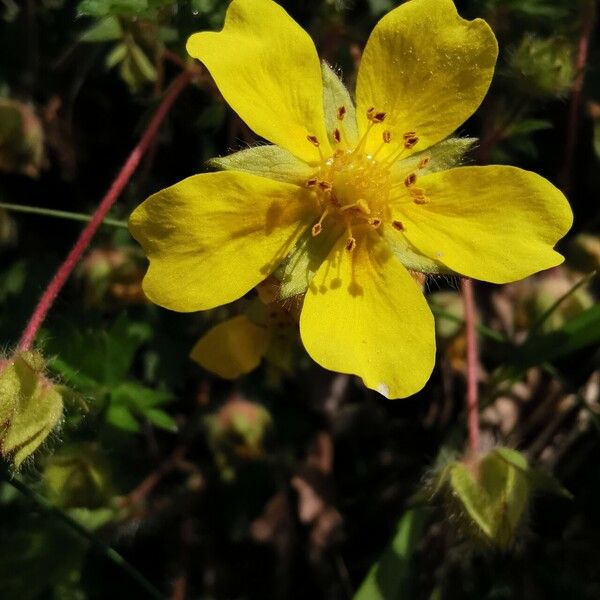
point(162, 480)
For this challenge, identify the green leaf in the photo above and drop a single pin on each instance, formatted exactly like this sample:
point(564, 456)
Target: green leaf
point(579, 332)
point(115, 56)
point(104, 8)
point(105, 30)
point(389, 577)
point(528, 126)
point(120, 416)
point(142, 63)
point(161, 419)
point(103, 356)
point(138, 396)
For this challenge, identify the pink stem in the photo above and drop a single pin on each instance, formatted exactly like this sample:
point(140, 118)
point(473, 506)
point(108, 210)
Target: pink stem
point(472, 366)
point(66, 268)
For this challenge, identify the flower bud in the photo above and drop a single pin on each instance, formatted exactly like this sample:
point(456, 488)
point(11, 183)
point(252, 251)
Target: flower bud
point(544, 66)
point(30, 406)
point(489, 496)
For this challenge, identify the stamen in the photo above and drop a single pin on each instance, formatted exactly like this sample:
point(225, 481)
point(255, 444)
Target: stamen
point(341, 113)
point(318, 226)
point(375, 223)
point(410, 142)
point(325, 186)
point(360, 204)
point(350, 244)
point(410, 180)
point(398, 225)
point(313, 140)
point(424, 162)
point(387, 136)
point(421, 200)
point(312, 182)
point(337, 136)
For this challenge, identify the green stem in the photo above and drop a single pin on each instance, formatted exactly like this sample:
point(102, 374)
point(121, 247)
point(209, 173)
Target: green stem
point(60, 214)
point(109, 552)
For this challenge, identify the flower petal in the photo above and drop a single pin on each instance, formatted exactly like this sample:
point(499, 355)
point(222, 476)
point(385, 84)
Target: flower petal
point(427, 69)
point(232, 348)
point(267, 68)
point(495, 223)
point(211, 238)
point(364, 314)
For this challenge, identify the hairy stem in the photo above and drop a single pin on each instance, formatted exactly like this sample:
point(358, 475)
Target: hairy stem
point(131, 164)
point(472, 366)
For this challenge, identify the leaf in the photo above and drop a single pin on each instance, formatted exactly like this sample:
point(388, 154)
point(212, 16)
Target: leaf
point(115, 56)
point(104, 30)
point(98, 356)
point(104, 8)
point(120, 416)
point(161, 419)
point(136, 395)
point(389, 577)
point(579, 332)
point(528, 126)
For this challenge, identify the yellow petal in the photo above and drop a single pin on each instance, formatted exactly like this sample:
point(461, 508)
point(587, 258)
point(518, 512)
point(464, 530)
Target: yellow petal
point(213, 237)
point(495, 223)
point(427, 69)
point(267, 68)
point(232, 348)
point(364, 314)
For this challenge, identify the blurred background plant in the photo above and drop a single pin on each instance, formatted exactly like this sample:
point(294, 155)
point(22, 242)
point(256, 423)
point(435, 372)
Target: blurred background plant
point(153, 477)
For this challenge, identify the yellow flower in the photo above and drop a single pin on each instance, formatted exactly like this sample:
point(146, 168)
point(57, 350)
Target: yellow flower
point(348, 200)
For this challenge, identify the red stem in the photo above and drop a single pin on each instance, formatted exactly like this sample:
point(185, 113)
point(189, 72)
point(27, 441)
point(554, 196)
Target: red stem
point(472, 366)
point(576, 91)
point(128, 169)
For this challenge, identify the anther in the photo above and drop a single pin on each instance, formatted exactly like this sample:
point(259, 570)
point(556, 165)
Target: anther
point(410, 142)
point(316, 229)
point(410, 180)
point(423, 162)
point(313, 140)
point(325, 186)
point(398, 225)
point(337, 136)
point(341, 113)
point(350, 244)
point(375, 117)
point(375, 223)
point(420, 200)
point(387, 136)
point(312, 182)
point(410, 134)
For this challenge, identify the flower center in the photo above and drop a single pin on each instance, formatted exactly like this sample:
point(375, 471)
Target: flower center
point(354, 187)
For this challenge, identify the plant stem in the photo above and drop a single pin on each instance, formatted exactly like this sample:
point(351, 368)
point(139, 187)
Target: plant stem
point(60, 214)
point(588, 20)
point(131, 164)
point(83, 533)
point(472, 366)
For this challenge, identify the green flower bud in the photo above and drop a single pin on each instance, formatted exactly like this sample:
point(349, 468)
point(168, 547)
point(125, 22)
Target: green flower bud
point(489, 496)
point(30, 406)
point(544, 67)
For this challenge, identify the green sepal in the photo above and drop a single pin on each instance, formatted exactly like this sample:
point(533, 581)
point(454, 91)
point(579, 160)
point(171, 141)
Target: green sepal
point(268, 161)
point(300, 266)
point(335, 95)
